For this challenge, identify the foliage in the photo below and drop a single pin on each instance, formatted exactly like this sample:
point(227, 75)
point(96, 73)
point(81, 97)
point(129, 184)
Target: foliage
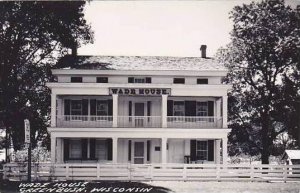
point(264, 49)
point(33, 35)
point(38, 154)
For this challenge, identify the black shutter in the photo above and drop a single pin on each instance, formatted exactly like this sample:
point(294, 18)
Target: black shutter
point(148, 108)
point(148, 149)
point(130, 79)
point(110, 107)
point(211, 108)
point(170, 108)
point(66, 150)
point(129, 150)
point(130, 108)
point(85, 107)
point(193, 150)
point(67, 106)
point(210, 150)
point(148, 79)
point(92, 148)
point(93, 107)
point(190, 108)
point(109, 149)
point(84, 149)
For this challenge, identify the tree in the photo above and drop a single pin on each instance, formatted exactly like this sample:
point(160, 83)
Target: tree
point(33, 35)
point(264, 49)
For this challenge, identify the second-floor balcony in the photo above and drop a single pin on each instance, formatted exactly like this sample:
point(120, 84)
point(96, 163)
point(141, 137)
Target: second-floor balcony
point(139, 121)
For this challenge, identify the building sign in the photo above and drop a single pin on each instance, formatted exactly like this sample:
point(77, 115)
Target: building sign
point(140, 91)
point(27, 131)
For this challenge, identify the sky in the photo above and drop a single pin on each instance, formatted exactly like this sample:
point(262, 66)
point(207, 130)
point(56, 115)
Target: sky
point(160, 28)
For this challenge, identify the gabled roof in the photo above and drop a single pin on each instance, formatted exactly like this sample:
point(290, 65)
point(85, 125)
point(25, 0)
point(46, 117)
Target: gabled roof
point(140, 63)
point(293, 154)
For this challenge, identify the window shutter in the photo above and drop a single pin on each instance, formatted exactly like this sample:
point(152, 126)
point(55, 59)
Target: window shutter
point(84, 149)
point(211, 108)
point(210, 150)
point(129, 150)
point(130, 108)
point(148, 149)
point(148, 108)
point(110, 107)
point(92, 148)
point(67, 106)
point(93, 107)
point(109, 149)
point(148, 79)
point(85, 107)
point(170, 107)
point(66, 150)
point(193, 150)
point(130, 80)
point(190, 108)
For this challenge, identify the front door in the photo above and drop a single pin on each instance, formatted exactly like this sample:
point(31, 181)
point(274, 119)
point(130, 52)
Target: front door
point(139, 114)
point(139, 152)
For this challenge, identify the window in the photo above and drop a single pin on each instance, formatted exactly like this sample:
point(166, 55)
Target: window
point(139, 79)
point(76, 79)
point(202, 150)
point(178, 80)
point(101, 150)
point(76, 107)
point(102, 80)
point(178, 108)
point(202, 109)
point(102, 108)
point(75, 149)
point(202, 81)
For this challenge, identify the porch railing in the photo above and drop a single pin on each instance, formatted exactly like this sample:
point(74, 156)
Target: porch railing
point(84, 121)
point(139, 121)
point(194, 122)
point(141, 172)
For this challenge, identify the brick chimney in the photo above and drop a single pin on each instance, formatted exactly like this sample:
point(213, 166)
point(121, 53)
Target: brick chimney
point(203, 51)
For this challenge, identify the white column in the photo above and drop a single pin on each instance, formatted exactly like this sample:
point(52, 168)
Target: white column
point(53, 110)
point(115, 150)
point(224, 100)
point(224, 148)
point(217, 151)
point(164, 150)
point(115, 110)
point(218, 113)
point(53, 149)
point(59, 147)
point(164, 109)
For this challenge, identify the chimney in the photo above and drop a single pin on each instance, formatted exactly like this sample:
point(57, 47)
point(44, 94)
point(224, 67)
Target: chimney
point(203, 51)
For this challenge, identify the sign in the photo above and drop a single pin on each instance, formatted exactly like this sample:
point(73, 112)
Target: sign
point(140, 91)
point(27, 131)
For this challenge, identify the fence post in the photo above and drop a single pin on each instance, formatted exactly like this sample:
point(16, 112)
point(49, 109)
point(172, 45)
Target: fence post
point(218, 172)
point(285, 173)
point(98, 171)
point(150, 171)
point(251, 173)
point(4, 172)
point(67, 171)
point(35, 176)
point(184, 172)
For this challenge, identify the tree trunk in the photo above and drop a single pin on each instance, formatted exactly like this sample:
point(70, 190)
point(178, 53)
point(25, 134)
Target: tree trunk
point(266, 141)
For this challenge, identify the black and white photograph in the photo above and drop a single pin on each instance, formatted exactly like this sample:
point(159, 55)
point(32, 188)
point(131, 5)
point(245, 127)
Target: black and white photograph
point(199, 96)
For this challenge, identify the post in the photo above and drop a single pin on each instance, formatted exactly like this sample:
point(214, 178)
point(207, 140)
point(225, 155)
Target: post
point(28, 142)
point(164, 101)
point(224, 100)
point(53, 110)
point(217, 151)
point(115, 110)
point(53, 149)
point(218, 113)
point(164, 150)
point(224, 148)
point(115, 150)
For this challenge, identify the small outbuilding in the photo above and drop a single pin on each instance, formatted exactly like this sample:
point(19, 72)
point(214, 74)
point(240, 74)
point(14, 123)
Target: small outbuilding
point(292, 157)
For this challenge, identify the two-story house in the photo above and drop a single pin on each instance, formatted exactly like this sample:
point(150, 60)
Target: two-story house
point(138, 109)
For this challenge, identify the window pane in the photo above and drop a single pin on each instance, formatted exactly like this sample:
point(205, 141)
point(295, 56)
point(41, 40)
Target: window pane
point(76, 107)
point(102, 108)
point(178, 108)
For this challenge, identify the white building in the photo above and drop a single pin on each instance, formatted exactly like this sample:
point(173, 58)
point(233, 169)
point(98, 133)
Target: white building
point(133, 109)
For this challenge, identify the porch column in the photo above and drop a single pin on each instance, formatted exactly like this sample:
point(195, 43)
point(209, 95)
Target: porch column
point(115, 150)
point(115, 110)
point(218, 113)
point(59, 147)
point(53, 149)
point(224, 100)
point(217, 151)
point(164, 150)
point(164, 101)
point(224, 148)
point(53, 110)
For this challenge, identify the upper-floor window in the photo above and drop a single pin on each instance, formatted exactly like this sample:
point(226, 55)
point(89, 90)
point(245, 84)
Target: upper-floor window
point(202, 150)
point(76, 79)
point(178, 108)
point(202, 81)
point(102, 79)
point(178, 80)
point(102, 107)
point(76, 107)
point(139, 79)
point(202, 109)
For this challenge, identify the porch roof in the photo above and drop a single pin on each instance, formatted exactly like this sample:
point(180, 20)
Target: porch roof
point(292, 154)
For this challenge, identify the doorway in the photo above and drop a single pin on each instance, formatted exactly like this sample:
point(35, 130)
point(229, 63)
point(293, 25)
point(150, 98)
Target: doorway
point(139, 152)
point(139, 113)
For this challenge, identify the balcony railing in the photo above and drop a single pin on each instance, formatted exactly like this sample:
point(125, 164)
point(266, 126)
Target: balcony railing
point(139, 121)
point(194, 122)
